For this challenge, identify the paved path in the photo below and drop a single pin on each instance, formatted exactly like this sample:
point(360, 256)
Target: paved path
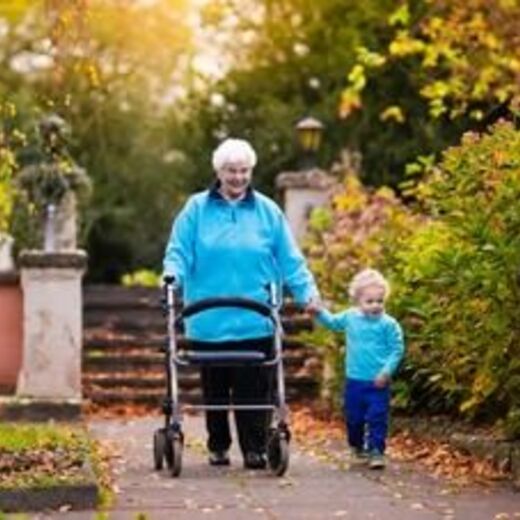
point(314, 488)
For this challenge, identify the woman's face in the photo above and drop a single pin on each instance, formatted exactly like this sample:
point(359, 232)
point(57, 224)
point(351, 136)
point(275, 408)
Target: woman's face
point(234, 178)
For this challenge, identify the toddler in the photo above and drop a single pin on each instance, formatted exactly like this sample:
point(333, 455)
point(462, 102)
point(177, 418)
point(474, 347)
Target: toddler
point(374, 348)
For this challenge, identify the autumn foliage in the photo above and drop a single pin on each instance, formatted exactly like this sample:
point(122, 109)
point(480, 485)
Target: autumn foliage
point(453, 264)
point(319, 431)
point(463, 57)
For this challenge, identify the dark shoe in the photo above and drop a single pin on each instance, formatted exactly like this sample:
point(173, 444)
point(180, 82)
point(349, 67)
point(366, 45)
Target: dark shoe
point(376, 460)
point(253, 460)
point(219, 458)
point(358, 456)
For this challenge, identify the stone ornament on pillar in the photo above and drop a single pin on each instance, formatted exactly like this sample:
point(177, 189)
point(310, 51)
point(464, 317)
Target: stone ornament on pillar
point(52, 183)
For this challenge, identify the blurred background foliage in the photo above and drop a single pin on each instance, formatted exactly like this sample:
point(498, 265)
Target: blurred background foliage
point(110, 69)
point(149, 88)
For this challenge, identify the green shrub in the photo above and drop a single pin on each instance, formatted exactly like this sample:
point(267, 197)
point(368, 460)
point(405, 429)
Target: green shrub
point(142, 278)
point(9, 139)
point(6, 167)
point(362, 228)
point(462, 273)
point(454, 267)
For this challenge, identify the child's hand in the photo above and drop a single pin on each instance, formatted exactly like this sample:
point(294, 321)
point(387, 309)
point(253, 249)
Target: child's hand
point(382, 380)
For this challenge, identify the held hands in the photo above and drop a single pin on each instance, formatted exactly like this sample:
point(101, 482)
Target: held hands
point(314, 305)
point(382, 380)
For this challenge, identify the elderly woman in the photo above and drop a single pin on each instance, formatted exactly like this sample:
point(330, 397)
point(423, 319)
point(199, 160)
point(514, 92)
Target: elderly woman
point(231, 240)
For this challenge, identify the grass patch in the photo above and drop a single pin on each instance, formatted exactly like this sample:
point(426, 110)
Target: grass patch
point(43, 455)
point(102, 456)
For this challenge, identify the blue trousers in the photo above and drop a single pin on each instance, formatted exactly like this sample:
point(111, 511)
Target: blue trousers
point(366, 409)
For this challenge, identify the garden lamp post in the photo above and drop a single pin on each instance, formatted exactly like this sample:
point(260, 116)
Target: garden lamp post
point(308, 186)
point(309, 132)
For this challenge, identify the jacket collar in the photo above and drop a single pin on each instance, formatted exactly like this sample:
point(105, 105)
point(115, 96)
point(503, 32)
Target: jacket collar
point(249, 197)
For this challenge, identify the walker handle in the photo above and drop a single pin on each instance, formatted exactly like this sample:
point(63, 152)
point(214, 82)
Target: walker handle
point(213, 303)
point(168, 288)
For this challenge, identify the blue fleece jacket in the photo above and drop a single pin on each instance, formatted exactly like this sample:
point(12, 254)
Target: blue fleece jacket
point(374, 344)
point(219, 248)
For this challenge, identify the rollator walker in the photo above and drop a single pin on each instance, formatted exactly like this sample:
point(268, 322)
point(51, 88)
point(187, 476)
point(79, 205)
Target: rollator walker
point(168, 441)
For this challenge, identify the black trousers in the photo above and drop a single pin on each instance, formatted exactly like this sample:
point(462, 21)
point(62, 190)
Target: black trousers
point(238, 385)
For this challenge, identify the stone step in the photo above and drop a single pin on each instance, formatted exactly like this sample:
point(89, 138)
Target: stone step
point(94, 347)
point(100, 296)
point(158, 381)
point(105, 297)
point(133, 320)
point(124, 330)
point(152, 359)
point(129, 380)
point(106, 341)
point(154, 397)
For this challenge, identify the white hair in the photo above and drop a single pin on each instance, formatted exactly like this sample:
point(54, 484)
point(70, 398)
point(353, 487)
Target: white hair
point(233, 150)
point(367, 278)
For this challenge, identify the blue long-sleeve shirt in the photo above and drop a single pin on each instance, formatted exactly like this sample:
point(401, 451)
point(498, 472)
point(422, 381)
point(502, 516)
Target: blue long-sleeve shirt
point(219, 248)
point(374, 344)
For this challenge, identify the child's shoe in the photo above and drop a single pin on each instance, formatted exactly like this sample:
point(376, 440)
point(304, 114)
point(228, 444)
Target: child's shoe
point(376, 460)
point(358, 455)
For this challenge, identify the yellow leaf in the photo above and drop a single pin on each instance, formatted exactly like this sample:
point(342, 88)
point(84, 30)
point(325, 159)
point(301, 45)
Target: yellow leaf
point(400, 16)
point(394, 113)
point(350, 101)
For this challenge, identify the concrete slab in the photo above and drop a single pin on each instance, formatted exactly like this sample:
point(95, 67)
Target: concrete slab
point(314, 488)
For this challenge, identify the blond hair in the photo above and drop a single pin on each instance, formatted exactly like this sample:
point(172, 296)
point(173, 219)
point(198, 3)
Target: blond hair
point(367, 278)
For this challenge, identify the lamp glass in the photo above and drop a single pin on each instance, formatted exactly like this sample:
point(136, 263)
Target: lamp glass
point(309, 132)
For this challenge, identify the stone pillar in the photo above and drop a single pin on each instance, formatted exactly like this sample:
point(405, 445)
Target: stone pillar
point(302, 191)
point(52, 314)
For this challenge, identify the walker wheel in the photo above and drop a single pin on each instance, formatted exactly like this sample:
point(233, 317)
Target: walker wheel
point(159, 449)
point(174, 451)
point(278, 451)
